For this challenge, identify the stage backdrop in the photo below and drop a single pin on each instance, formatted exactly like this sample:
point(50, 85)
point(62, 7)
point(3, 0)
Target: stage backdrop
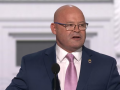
point(25, 28)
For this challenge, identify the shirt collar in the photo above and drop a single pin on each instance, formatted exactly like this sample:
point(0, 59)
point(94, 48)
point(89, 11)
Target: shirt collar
point(61, 53)
point(78, 54)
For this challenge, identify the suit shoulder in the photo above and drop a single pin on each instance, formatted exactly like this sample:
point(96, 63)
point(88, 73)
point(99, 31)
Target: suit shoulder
point(99, 55)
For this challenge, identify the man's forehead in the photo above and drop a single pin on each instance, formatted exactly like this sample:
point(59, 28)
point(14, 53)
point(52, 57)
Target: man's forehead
point(75, 22)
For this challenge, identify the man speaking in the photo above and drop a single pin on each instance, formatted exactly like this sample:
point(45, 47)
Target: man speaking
point(80, 67)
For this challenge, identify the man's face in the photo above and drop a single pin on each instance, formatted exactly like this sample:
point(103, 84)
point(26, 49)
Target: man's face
point(70, 40)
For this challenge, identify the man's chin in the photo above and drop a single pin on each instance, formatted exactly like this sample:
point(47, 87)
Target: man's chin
point(77, 47)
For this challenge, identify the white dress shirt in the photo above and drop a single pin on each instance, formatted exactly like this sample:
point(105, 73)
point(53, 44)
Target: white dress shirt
point(63, 62)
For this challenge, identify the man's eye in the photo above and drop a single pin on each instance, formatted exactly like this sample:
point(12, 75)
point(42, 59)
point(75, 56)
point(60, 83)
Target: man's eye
point(70, 24)
point(82, 25)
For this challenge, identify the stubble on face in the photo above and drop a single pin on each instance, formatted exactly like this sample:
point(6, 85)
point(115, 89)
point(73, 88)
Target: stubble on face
point(69, 40)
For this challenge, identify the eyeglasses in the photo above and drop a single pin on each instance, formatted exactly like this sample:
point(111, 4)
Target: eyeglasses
point(70, 27)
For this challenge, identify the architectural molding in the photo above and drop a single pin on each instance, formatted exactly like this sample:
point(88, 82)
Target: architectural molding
point(15, 35)
point(46, 19)
point(117, 26)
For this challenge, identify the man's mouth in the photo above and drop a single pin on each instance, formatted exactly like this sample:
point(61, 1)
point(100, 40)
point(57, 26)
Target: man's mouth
point(76, 37)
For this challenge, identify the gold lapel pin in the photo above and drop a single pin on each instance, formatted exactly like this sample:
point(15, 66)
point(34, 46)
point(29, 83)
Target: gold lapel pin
point(89, 61)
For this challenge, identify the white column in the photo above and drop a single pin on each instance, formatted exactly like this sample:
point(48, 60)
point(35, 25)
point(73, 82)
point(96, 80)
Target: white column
point(117, 30)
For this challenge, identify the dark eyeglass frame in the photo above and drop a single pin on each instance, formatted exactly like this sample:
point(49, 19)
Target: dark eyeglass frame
point(65, 25)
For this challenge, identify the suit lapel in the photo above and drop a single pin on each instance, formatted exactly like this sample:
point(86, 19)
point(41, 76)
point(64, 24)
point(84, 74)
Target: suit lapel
point(86, 67)
point(50, 59)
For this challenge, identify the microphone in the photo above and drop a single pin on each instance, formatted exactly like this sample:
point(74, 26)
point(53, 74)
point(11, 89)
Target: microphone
point(55, 69)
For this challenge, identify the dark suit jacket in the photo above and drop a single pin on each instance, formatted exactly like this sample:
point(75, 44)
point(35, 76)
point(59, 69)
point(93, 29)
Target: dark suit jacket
point(36, 74)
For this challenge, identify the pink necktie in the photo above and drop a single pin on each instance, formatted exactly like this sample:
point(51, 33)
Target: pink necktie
point(71, 74)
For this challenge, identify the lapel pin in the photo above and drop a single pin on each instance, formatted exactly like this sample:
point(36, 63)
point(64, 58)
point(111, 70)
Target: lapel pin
point(89, 61)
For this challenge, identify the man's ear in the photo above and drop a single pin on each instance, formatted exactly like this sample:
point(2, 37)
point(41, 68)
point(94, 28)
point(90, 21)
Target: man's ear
point(53, 28)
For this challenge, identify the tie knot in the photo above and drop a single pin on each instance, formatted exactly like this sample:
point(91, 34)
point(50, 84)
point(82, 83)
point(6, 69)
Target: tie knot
point(70, 57)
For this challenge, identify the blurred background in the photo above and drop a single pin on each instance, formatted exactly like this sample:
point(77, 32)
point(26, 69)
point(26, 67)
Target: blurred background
point(25, 28)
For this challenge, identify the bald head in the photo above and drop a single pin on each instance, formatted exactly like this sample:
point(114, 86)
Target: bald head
point(66, 10)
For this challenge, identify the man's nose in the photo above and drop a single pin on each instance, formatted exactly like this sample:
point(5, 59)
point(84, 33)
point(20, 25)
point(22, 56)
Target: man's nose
point(76, 29)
